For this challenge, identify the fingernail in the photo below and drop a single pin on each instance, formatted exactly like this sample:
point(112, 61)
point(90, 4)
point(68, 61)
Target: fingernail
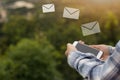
point(68, 44)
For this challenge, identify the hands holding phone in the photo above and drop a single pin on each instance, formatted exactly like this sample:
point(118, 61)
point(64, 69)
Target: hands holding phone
point(70, 48)
point(102, 47)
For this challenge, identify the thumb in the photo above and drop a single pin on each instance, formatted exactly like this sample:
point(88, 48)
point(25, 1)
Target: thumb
point(93, 46)
point(68, 44)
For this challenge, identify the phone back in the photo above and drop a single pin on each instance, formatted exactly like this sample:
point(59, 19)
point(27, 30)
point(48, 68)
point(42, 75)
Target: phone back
point(86, 49)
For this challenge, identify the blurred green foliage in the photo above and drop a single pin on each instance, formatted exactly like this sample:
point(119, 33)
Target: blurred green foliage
point(32, 46)
point(31, 60)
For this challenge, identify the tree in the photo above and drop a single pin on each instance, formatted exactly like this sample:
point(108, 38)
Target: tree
point(15, 30)
point(33, 60)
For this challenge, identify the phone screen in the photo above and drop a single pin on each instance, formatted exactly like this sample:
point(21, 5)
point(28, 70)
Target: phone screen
point(86, 49)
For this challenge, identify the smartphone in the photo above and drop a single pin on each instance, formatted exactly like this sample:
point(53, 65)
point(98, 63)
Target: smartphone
point(86, 49)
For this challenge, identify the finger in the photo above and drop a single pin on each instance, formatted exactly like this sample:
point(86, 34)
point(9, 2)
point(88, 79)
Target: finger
point(94, 46)
point(69, 44)
point(102, 58)
point(82, 42)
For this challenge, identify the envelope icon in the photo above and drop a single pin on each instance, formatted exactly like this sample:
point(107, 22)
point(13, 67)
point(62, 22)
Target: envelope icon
point(48, 8)
point(71, 13)
point(90, 28)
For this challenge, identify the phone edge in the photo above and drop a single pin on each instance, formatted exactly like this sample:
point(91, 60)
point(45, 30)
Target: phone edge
point(100, 53)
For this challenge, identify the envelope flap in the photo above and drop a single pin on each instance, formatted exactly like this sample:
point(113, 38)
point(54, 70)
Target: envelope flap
point(48, 6)
point(90, 26)
point(71, 10)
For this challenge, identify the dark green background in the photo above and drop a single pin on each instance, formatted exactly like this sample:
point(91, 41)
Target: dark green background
point(32, 46)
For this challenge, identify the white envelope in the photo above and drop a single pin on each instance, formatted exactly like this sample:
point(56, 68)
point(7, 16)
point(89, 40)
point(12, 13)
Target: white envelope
point(71, 13)
point(90, 28)
point(48, 8)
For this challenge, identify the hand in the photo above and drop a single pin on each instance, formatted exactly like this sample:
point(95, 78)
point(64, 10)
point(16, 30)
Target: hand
point(103, 48)
point(81, 42)
point(70, 48)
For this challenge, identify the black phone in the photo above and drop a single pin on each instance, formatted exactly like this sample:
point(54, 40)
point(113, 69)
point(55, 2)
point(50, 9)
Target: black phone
point(86, 49)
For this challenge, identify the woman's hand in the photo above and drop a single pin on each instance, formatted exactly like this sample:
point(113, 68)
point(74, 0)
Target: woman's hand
point(103, 48)
point(69, 49)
